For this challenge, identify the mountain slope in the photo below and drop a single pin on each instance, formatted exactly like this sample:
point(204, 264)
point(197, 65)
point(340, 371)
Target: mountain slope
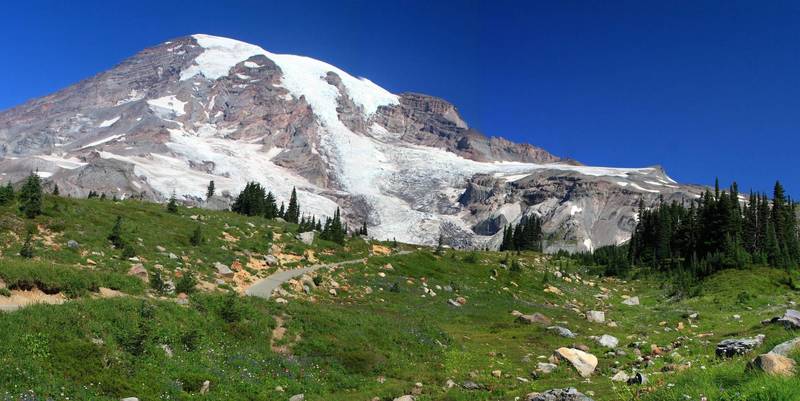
point(202, 108)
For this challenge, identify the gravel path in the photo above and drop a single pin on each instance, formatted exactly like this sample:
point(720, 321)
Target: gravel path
point(263, 288)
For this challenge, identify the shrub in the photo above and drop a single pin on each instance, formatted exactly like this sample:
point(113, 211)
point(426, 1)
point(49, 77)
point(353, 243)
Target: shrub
point(27, 247)
point(231, 311)
point(186, 283)
point(197, 236)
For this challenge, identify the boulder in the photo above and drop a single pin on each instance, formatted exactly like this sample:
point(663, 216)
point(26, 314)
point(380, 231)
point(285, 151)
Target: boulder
point(596, 316)
point(139, 272)
point(72, 244)
point(785, 348)
point(405, 398)
point(608, 341)
point(129, 399)
point(545, 367)
point(271, 260)
point(297, 397)
point(471, 385)
point(206, 387)
point(583, 362)
point(561, 394)
point(774, 364)
point(535, 317)
point(562, 331)
point(632, 301)
point(790, 319)
point(738, 346)
point(620, 376)
point(223, 270)
point(638, 378)
point(306, 237)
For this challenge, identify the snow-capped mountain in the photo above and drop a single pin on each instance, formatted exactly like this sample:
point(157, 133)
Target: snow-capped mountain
point(201, 108)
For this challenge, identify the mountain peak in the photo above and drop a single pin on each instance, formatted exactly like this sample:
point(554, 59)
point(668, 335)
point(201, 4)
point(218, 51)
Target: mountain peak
point(208, 108)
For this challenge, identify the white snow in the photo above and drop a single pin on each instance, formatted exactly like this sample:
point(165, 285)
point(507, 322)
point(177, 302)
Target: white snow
point(108, 123)
point(587, 243)
point(575, 209)
point(167, 106)
point(133, 96)
point(250, 64)
point(44, 174)
point(242, 76)
point(66, 163)
point(302, 76)
point(102, 141)
point(635, 185)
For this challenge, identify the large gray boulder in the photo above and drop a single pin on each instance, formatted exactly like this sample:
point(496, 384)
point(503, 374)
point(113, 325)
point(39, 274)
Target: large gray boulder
point(738, 346)
point(790, 319)
point(306, 237)
point(561, 394)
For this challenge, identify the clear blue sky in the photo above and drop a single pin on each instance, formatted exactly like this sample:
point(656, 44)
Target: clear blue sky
point(703, 88)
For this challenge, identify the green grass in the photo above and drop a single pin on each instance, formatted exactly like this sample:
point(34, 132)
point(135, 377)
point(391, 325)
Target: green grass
point(378, 336)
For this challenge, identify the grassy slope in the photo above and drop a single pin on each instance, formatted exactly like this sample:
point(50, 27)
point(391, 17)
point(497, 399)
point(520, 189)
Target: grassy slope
point(358, 344)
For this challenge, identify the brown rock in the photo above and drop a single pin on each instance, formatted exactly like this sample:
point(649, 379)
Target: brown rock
point(774, 364)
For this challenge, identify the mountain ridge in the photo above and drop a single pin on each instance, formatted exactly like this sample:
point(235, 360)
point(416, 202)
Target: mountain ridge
point(200, 108)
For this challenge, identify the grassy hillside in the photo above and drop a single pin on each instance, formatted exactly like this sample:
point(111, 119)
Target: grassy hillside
point(383, 328)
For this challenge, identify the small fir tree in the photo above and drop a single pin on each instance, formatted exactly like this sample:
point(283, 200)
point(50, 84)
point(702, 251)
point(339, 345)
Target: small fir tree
point(172, 205)
point(210, 190)
point(197, 236)
point(30, 197)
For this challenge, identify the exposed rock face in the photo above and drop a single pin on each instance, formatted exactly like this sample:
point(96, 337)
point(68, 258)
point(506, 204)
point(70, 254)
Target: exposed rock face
point(738, 346)
point(180, 114)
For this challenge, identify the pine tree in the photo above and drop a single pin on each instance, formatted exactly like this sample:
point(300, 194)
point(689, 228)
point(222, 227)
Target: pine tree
point(282, 212)
point(440, 245)
point(210, 190)
point(116, 234)
point(27, 246)
point(30, 196)
point(55, 190)
point(6, 194)
point(251, 201)
point(172, 205)
point(270, 207)
point(197, 236)
point(293, 211)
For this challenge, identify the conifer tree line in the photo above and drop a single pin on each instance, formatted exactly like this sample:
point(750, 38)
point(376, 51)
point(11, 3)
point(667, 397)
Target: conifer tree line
point(255, 200)
point(524, 236)
point(715, 232)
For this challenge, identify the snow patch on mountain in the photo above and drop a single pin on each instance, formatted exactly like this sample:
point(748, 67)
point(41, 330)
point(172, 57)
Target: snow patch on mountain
point(302, 76)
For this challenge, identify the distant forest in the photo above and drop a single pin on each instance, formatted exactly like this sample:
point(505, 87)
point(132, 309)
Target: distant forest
point(719, 230)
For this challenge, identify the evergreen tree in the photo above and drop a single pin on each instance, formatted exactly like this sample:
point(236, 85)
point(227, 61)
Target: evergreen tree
point(116, 234)
point(293, 211)
point(210, 190)
point(30, 197)
point(6, 194)
point(27, 246)
point(440, 245)
point(251, 201)
point(172, 205)
point(270, 207)
point(197, 236)
point(282, 212)
point(55, 190)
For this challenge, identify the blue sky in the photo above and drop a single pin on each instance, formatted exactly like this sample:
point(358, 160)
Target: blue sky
point(705, 89)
